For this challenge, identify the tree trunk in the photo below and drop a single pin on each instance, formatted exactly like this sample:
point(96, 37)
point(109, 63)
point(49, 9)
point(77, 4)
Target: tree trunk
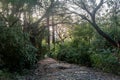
point(106, 36)
point(53, 31)
point(48, 39)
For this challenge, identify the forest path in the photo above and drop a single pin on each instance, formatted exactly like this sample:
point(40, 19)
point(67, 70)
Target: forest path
point(50, 69)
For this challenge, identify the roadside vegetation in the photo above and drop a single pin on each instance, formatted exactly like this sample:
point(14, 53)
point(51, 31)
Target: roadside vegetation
point(83, 32)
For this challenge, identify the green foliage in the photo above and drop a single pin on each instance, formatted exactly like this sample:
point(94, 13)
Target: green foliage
point(67, 54)
point(16, 50)
point(43, 50)
point(106, 62)
point(77, 51)
point(99, 42)
point(20, 2)
point(90, 49)
point(4, 75)
point(74, 55)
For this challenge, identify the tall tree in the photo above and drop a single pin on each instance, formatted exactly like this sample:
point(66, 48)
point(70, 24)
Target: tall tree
point(90, 9)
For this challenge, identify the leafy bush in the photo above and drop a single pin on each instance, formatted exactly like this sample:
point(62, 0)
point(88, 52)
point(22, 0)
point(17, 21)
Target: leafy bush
point(89, 48)
point(77, 51)
point(16, 50)
point(67, 54)
point(74, 55)
point(106, 62)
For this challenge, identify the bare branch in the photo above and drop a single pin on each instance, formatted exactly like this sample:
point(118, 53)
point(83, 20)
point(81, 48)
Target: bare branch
point(96, 9)
point(85, 8)
point(14, 22)
point(83, 17)
point(3, 17)
point(46, 14)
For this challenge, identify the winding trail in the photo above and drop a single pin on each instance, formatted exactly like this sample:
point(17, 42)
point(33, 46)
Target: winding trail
point(50, 69)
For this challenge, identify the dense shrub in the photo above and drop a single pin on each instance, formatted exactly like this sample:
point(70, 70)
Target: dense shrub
point(77, 51)
point(89, 48)
point(106, 62)
point(67, 54)
point(74, 55)
point(15, 48)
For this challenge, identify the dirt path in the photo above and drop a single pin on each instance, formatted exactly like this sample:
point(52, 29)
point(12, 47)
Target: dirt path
point(50, 69)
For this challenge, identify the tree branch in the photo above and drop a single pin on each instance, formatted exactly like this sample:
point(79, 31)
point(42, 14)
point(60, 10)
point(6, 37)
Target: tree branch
point(83, 17)
point(96, 9)
point(14, 23)
point(93, 22)
point(85, 8)
point(46, 14)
